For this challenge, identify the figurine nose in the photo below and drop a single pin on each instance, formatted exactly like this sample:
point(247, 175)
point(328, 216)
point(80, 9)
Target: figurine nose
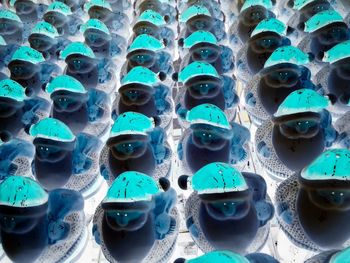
point(229, 210)
point(337, 199)
point(133, 97)
point(204, 90)
point(302, 128)
point(122, 221)
point(8, 224)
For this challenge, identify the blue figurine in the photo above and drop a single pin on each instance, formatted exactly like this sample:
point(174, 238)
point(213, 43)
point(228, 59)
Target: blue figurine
point(331, 256)
point(6, 52)
point(30, 69)
point(198, 17)
point(83, 65)
point(137, 220)
point(267, 36)
point(45, 39)
point(202, 84)
point(147, 51)
point(62, 18)
point(296, 134)
point(81, 110)
point(136, 144)
point(313, 204)
point(120, 5)
point(227, 256)
point(203, 46)
point(11, 27)
point(18, 112)
point(342, 127)
point(36, 225)
point(165, 8)
point(77, 157)
point(332, 78)
point(285, 71)
point(211, 138)
point(116, 21)
point(229, 210)
point(251, 14)
point(214, 7)
point(76, 6)
point(142, 91)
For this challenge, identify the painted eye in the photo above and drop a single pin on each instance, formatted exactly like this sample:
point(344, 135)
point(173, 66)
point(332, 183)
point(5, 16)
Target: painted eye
point(225, 204)
point(47, 149)
point(333, 193)
point(125, 215)
point(341, 194)
point(118, 214)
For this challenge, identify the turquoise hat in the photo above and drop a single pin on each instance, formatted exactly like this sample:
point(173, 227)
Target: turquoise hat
point(28, 54)
point(287, 54)
point(333, 164)
point(147, 42)
point(21, 191)
point(59, 7)
point(321, 20)
point(77, 48)
point(192, 11)
point(130, 187)
point(65, 82)
point(208, 114)
point(303, 100)
point(7, 14)
point(197, 68)
point(338, 52)
point(12, 89)
point(200, 37)
point(53, 129)
point(341, 256)
point(140, 75)
point(270, 25)
point(220, 256)
point(152, 17)
point(215, 178)
point(299, 4)
point(131, 123)
point(44, 28)
point(249, 3)
point(100, 3)
point(94, 24)
point(2, 41)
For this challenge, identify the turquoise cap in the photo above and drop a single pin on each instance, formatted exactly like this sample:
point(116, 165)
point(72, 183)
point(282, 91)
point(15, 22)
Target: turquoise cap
point(65, 82)
point(77, 48)
point(12, 89)
point(287, 54)
point(140, 75)
point(321, 20)
point(200, 37)
point(341, 256)
point(130, 187)
point(53, 129)
point(44, 28)
point(21, 191)
point(303, 100)
point(333, 164)
point(28, 54)
point(208, 114)
point(197, 68)
point(94, 24)
point(223, 256)
point(338, 52)
point(193, 11)
point(59, 7)
point(131, 123)
point(147, 42)
point(249, 3)
point(100, 3)
point(270, 25)
point(299, 4)
point(153, 17)
point(7, 14)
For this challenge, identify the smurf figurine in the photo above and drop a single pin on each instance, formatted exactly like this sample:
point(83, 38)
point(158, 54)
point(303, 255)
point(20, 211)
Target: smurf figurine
point(81, 110)
point(332, 256)
point(227, 256)
point(211, 138)
point(62, 18)
point(76, 6)
point(202, 84)
point(36, 226)
point(137, 220)
point(18, 112)
point(29, 68)
point(285, 71)
point(251, 14)
point(164, 8)
point(229, 210)
point(142, 91)
point(136, 144)
point(203, 46)
point(147, 51)
point(214, 7)
point(11, 27)
point(297, 133)
point(198, 17)
point(332, 78)
point(76, 157)
point(83, 65)
point(313, 204)
point(6, 52)
point(45, 39)
point(267, 36)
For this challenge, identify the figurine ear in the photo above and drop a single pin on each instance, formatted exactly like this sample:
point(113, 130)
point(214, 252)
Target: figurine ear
point(175, 76)
point(162, 75)
point(5, 136)
point(180, 260)
point(290, 3)
point(157, 121)
point(273, 2)
point(180, 42)
point(332, 98)
point(311, 56)
point(166, 18)
point(164, 183)
point(29, 91)
point(165, 42)
point(183, 182)
point(301, 26)
point(290, 30)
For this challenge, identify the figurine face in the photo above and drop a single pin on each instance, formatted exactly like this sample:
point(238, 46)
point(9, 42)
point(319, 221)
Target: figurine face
point(80, 64)
point(227, 209)
point(56, 19)
point(332, 199)
point(150, 4)
point(207, 53)
point(100, 13)
point(9, 107)
point(22, 70)
point(8, 27)
point(136, 95)
point(300, 128)
point(40, 42)
point(17, 224)
point(95, 38)
point(313, 8)
point(144, 58)
point(24, 7)
point(285, 75)
point(131, 147)
point(126, 220)
point(205, 136)
point(67, 101)
point(146, 28)
point(199, 22)
point(204, 88)
point(51, 153)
